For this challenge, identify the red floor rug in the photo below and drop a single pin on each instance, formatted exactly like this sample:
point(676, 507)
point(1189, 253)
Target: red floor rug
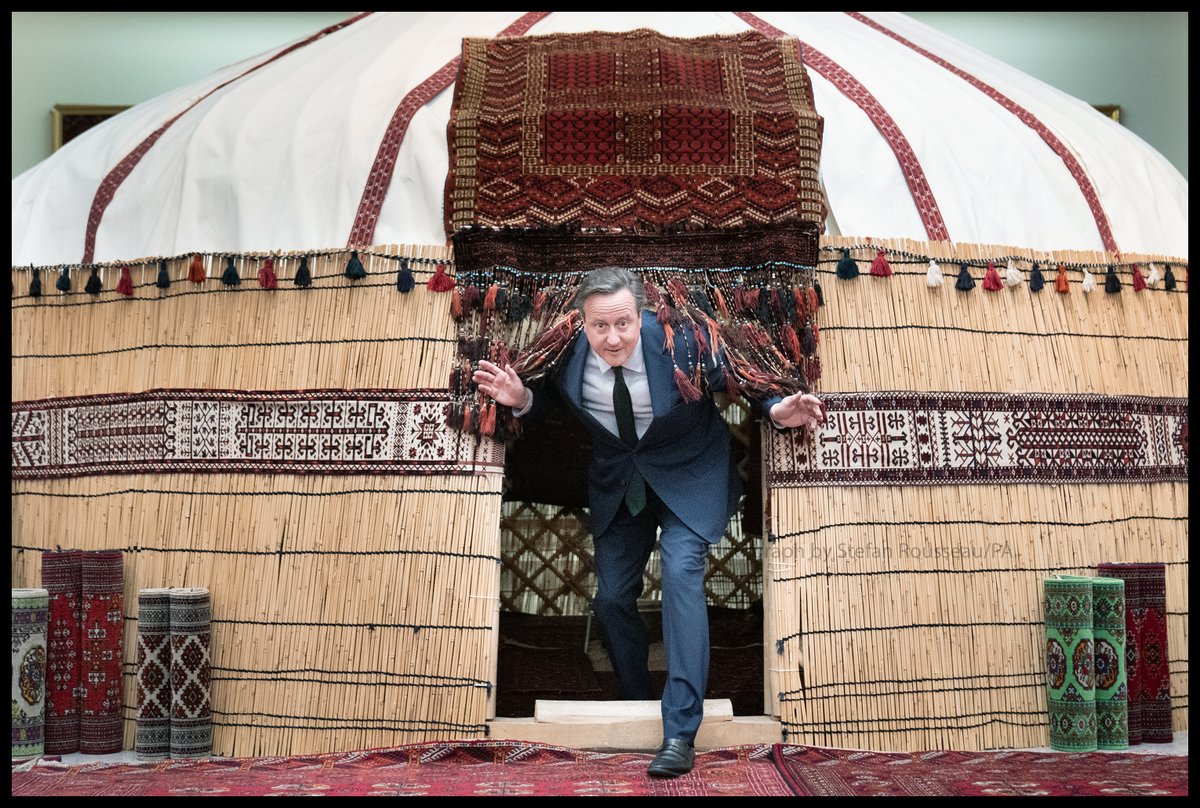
point(465, 768)
point(835, 772)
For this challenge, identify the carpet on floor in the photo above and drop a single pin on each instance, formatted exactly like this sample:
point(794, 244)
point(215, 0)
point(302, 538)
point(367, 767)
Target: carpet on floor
point(517, 768)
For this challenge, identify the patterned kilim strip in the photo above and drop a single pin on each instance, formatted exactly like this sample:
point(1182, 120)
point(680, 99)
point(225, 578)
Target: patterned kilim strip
point(153, 740)
point(204, 431)
point(100, 729)
point(30, 613)
point(964, 438)
point(1070, 663)
point(624, 130)
point(191, 702)
point(61, 576)
point(1112, 690)
point(1146, 650)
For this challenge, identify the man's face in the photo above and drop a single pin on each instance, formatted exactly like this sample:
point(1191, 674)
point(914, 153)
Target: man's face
point(612, 325)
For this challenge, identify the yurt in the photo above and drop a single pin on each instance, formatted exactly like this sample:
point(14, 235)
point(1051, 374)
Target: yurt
point(273, 516)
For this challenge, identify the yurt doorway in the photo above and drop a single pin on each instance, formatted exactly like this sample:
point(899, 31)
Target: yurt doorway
point(548, 647)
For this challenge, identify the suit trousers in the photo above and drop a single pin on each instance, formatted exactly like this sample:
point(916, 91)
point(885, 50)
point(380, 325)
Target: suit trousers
point(621, 555)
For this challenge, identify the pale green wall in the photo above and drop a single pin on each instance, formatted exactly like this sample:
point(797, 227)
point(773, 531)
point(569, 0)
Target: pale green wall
point(1138, 60)
point(128, 57)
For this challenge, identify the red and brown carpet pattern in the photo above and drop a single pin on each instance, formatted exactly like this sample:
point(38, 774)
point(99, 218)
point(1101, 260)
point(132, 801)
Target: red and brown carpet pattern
point(515, 768)
point(982, 438)
point(838, 772)
point(623, 130)
point(100, 720)
point(222, 431)
point(61, 573)
point(1145, 649)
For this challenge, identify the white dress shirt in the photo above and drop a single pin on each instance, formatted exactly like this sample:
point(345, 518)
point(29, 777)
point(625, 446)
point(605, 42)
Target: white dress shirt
point(598, 381)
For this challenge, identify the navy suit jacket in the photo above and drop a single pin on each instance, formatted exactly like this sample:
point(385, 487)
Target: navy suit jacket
point(684, 456)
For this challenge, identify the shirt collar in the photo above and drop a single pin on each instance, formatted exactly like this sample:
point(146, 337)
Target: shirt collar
point(636, 362)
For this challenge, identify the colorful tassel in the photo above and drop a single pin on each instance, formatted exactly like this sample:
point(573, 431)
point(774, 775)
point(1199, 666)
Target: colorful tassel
point(404, 277)
point(1169, 279)
point(1089, 281)
point(991, 279)
point(230, 276)
point(63, 284)
point(440, 282)
point(817, 295)
point(880, 266)
point(35, 283)
point(489, 299)
point(1112, 284)
point(1154, 276)
point(1036, 279)
point(267, 278)
point(456, 304)
point(965, 282)
point(933, 276)
point(1012, 275)
point(487, 419)
point(687, 387)
point(94, 285)
point(808, 342)
point(163, 281)
point(125, 284)
point(303, 277)
point(720, 298)
point(354, 267)
point(196, 273)
point(1061, 284)
point(787, 335)
point(1139, 280)
point(847, 268)
point(471, 298)
point(518, 307)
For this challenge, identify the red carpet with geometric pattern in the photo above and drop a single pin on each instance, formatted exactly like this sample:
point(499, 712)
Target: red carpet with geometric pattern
point(835, 772)
point(515, 768)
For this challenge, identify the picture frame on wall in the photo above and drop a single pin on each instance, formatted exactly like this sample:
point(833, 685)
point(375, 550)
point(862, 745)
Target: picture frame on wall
point(1111, 110)
point(69, 121)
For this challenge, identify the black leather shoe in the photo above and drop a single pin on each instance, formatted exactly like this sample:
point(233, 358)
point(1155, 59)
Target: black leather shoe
point(675, 757)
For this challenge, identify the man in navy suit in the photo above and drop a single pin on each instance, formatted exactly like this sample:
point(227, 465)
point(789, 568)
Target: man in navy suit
point(659, 463)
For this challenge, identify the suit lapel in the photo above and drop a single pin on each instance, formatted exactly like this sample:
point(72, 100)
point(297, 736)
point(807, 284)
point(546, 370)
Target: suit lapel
point(660, 370)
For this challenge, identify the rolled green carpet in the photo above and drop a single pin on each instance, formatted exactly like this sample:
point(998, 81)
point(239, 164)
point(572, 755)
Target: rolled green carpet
point(30, 613)
point(1070, 663)
point(1112, 690)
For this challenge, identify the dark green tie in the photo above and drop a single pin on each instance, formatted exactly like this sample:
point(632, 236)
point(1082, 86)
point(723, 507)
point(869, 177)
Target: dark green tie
point(635, 495)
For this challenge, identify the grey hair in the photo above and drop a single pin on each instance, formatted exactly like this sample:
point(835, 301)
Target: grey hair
point(610, 280)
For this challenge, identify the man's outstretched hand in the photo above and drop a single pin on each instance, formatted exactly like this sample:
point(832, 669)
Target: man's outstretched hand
point(797, 410)
point(502, 384)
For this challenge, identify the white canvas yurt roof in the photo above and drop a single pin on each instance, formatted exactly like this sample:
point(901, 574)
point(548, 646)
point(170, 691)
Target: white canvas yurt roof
point(924, 138)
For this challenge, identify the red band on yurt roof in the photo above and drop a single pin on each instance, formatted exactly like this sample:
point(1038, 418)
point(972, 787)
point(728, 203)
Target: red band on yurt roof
point(852, 88)
point(1027, 118)
point(112, 181)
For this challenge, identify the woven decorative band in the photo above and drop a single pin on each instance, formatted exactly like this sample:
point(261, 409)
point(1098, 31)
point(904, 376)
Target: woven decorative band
point(222, 431)
point(968, 438)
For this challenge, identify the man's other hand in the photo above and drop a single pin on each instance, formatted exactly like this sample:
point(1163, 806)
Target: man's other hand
point(502, 384)
point(798, 410)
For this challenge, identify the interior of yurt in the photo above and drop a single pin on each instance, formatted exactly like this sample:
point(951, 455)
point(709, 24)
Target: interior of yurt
point(269, 513)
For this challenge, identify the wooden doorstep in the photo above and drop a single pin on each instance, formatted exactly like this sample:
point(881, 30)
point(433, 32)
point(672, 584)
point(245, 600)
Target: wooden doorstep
point(547, 711)
point(637, 733)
